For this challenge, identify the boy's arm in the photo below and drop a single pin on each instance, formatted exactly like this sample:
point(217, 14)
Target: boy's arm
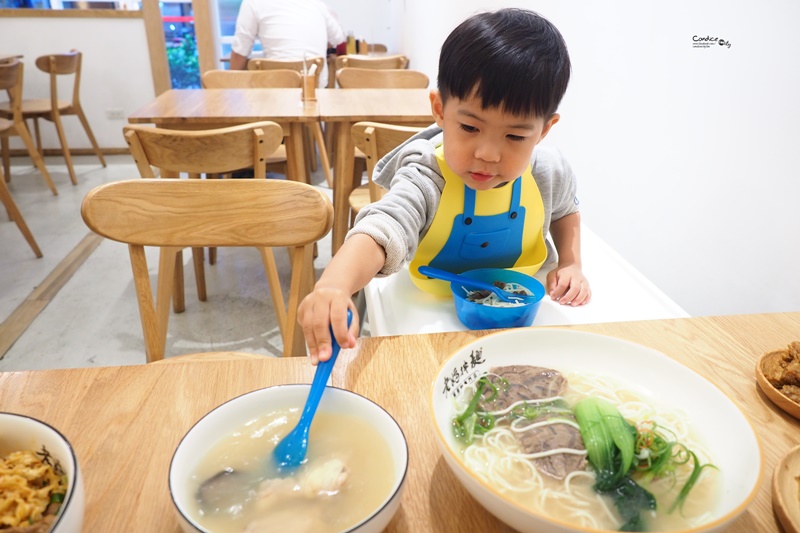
point(566, 283)
point(358, 261)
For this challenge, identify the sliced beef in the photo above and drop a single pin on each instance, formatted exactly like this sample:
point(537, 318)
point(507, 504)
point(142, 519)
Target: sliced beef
point(551, 437)
point(525, 383)
point(535, 383)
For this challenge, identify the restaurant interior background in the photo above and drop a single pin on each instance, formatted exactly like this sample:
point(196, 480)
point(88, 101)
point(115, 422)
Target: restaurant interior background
point(680, 122)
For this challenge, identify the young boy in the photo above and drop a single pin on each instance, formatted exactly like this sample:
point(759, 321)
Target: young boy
point(468, 192)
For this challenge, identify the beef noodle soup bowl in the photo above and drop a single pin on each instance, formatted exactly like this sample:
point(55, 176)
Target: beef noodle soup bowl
point(38, 467)
point(557, 431)
point(223, 478)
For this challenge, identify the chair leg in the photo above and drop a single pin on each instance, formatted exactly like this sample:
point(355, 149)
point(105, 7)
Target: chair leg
point(166, 264)
point(198, 256)
point(38, 136)
point(308, 146)
point(178, 299)
point(22, 131)
point(16, 216)
point(323, 152)
point(64, 146)
point(276, 293)
point(6, 159)
point(82, 117)
point(293, 342)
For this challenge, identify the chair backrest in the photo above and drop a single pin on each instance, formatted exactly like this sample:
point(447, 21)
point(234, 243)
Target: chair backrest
point(376, 47)
point(214, 151)
point(251, 79)
point(59, 65)
point(174, 214)
point(11, 82)
point(260, 63)
point(391, 61)
point(376, 140)
point(352, 78)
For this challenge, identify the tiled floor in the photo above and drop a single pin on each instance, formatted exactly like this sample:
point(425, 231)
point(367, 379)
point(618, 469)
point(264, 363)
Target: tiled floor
point(93, 320)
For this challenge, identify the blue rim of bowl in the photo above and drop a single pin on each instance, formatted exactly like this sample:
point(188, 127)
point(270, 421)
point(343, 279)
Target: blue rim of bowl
point(71, 484)
point(391, 497)
point(717, 522)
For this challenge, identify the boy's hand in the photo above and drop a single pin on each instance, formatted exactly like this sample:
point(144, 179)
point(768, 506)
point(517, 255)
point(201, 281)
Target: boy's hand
point(568, 286)
point(322, 308)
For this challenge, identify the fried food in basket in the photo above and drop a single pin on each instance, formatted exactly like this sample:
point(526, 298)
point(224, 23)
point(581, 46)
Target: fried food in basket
point(782, 370)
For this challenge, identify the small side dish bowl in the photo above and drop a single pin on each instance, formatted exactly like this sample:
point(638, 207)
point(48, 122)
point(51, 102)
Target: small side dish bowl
point(786, 491)
point(475, 315)
point(204, 437)
point(768, 369)
point(20, 433)
point(651, 384)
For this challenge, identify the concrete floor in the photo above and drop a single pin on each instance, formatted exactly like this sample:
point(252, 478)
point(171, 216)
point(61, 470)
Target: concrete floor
point(94, 320)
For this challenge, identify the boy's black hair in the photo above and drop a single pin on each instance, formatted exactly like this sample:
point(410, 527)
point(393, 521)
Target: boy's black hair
point(512, 59)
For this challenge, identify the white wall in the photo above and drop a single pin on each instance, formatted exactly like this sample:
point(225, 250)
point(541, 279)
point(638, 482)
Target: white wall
point(687, 158)
point(368, 19)
point(115, 74)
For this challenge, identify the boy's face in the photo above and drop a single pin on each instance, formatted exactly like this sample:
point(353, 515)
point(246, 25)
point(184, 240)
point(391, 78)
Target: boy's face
point(486, 147)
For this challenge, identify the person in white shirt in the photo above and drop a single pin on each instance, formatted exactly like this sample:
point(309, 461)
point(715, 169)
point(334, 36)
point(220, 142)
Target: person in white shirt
point(287, 29)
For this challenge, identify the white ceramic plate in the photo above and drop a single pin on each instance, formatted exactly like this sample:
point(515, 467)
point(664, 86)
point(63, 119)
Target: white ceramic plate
point(718, 423)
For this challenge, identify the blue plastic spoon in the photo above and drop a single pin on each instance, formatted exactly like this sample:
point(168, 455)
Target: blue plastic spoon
point(291, 450)
point(506, 296)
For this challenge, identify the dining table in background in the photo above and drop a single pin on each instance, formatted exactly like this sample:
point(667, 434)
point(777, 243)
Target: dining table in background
point(341, 108)
point(125, 422)
point(191, 109)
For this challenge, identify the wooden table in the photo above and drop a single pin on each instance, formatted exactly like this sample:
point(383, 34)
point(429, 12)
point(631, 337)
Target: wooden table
point(344, 107)
point(125, 422)
point(217, 108)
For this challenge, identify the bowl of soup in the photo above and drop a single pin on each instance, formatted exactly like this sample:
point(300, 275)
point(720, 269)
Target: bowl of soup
point(38, 467)
point(480, 309)
point(223, 478)
point(558, 431)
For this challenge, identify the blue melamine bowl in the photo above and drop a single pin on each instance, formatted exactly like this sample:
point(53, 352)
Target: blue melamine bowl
point(478, 316)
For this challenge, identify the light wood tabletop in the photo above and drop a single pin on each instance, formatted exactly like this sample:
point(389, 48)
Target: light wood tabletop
point(218, 108)
point(344, 107)
point(125, 422)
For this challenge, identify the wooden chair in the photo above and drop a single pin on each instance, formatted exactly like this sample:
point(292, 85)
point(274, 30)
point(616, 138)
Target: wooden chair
point(377, 48)
point(16, 216)
point(217, 151)
point(361, 78)
point(379, 62)
point(251, 79)
point(355, 77)
point(375, 140)
point(256, 79)
point(173, 214)
point(13, 124)
point(261, 63)
point(53, 109)
point(314, 128)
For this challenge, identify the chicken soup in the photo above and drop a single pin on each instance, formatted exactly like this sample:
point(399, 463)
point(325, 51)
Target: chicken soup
point(347, 475)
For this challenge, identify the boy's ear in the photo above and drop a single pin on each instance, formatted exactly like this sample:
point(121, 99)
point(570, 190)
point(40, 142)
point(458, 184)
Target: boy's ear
point(549, 124)
point(437, 107)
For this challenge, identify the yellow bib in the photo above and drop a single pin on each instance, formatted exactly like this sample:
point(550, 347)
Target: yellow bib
point(456, 237)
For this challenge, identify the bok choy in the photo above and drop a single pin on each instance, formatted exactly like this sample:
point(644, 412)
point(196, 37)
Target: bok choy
point(611, 445)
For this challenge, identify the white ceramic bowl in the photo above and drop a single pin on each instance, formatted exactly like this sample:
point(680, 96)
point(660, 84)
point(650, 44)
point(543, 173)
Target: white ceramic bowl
point(20, 432)
point(724, 430)
point(234, 413)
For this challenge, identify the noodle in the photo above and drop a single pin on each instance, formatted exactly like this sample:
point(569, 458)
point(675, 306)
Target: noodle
point(497, 457)
point(28, 482)
point(492, 300)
